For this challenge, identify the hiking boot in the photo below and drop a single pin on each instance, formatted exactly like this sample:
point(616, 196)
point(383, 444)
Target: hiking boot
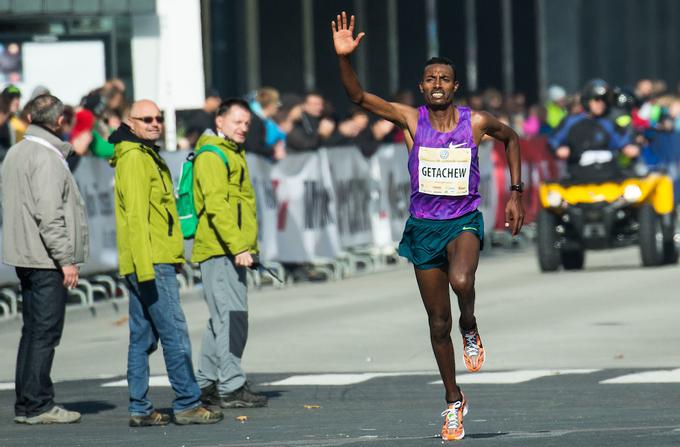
point(243, 398)
point(209, 395)
point(57, 415)
point(198, 415)
point(154, 419)
point(452, 430)
point(473, 351)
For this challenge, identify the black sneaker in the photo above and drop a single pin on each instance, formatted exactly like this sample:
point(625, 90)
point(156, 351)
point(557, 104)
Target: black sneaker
point(243, 398)
point(209, 395)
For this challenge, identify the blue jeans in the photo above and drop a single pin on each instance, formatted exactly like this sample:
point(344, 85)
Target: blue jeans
point(155, 313)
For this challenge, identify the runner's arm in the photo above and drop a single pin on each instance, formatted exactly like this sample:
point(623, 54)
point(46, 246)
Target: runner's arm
point(486, 124)
point(391, 111)
point(343, 38)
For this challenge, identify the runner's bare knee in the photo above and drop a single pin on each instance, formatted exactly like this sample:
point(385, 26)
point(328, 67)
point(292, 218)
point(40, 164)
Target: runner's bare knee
point(440, 327)
point(462, 283)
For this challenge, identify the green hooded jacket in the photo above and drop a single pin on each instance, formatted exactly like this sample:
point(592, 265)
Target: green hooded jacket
point(225, 202)
point(147, 224)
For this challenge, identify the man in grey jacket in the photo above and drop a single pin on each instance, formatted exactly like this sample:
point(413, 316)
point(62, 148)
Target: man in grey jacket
point(45, 237)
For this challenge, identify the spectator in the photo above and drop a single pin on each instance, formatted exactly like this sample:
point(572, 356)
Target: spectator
point(265, 137)
point(556, 106)
point(349, 129)
point(13, 129)
point(493, 102)
point(86, 134)
point(224, 246)
point(574, 105)
point(114, 93)
point(312, 130)
point(39, 90)
point(150, 252)
point(4, 117)
point(475, 102)
point(532, 125)
point(674, 113)
point(203, 119)
point(45, 237)
point(357, 130)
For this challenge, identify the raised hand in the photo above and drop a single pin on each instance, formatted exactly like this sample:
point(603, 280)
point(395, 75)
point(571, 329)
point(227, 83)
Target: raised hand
point(343, 35)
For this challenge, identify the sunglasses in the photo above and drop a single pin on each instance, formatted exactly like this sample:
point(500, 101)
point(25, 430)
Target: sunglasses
point(149, 119)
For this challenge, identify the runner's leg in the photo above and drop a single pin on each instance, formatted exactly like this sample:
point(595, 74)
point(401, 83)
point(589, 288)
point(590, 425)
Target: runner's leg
point(463, 254)
point(434, 290)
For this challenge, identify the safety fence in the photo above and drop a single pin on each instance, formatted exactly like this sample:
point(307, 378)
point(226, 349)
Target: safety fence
point(331, 211)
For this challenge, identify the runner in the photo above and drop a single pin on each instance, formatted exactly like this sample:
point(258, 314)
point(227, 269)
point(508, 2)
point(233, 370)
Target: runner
point(444, 235)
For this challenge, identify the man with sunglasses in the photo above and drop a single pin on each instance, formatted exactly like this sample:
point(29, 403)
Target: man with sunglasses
point(591, 139)
point(150, 251)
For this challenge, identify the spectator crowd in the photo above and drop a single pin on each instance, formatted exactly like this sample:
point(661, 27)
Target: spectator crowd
point(289, 123)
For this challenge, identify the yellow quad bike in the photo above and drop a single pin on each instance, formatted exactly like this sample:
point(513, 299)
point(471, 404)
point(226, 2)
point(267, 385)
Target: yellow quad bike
point(592, 216)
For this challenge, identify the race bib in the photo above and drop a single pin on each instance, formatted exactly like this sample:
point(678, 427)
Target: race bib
point(444, 171)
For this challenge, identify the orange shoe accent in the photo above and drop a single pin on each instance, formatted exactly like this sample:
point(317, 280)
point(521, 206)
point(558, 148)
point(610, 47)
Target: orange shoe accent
point(453, 430)
point(473, 351)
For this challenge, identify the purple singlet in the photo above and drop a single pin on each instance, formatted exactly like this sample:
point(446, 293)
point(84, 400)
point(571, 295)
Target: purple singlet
point(444, 169)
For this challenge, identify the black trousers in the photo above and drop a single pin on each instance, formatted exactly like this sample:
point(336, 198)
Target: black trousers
point(43, 308)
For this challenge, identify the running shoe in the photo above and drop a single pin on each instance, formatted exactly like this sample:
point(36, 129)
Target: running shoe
point(473, 351)
point(452, 430)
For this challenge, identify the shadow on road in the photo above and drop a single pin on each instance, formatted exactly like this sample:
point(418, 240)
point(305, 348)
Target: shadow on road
point(89, 406)
point(484, 435)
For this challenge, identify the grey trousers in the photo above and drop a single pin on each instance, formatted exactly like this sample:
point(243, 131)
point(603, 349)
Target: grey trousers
point(225, 290)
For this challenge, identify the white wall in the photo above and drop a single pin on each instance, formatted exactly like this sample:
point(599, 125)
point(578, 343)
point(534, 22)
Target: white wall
point(167, 55)
point(68, 69)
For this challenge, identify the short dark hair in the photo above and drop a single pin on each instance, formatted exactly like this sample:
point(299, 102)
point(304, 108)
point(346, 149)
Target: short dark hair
point(309, 93)
point(440, 60)
point(46, 110)
point(227, 104)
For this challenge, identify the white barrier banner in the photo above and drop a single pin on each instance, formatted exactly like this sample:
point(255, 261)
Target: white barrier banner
point(95, 182)
point(487, 187)
point(353, 187)
point(395, 186)
point(260, 170)
point(306, 216)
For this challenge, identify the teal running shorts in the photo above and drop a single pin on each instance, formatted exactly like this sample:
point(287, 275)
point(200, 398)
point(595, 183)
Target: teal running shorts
point(424, 241)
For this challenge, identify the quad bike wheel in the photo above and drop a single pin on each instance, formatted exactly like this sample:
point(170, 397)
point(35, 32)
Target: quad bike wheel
point(573, 259)
point(651, 236)
point(546, 242)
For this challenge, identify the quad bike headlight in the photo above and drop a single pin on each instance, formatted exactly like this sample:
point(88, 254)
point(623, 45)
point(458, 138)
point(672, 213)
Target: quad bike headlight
point(554, 199)
point(632, 193)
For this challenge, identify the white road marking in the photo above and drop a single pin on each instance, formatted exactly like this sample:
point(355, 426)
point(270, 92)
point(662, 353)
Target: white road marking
point(493, 377)
point(153, 381)
point(6, 386)
point(337, 379)
point(519, 376)
point(661, 376)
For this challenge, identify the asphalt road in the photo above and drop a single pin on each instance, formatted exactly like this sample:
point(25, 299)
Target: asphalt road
point(573, 358)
